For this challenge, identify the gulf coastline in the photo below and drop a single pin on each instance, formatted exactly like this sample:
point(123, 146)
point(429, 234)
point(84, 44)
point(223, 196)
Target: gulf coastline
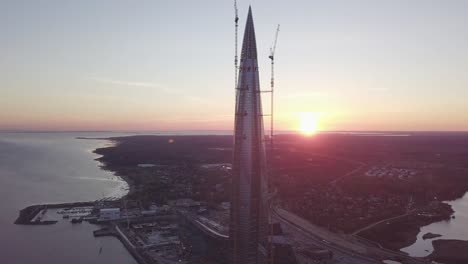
point(37, 168)
point(416, 227)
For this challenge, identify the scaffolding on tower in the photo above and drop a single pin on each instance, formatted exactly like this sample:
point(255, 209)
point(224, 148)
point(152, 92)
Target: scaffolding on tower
point(236, 20)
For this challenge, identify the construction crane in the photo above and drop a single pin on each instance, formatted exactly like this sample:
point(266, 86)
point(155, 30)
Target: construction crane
point(272, 86)
point(272, 82)
point(236, 88)
point(236, 20)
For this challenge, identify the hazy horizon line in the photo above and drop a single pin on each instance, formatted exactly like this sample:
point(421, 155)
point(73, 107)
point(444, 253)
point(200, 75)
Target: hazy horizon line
point(221, 130)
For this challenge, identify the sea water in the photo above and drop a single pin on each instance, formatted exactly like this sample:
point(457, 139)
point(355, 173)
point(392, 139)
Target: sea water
point(455, 228)
point(40, 168)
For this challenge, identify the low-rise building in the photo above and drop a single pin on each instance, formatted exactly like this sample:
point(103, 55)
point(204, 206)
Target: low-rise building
point(109, 214)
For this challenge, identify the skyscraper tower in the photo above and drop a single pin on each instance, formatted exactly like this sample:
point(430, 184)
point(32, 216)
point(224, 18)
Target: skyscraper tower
point(248, 223)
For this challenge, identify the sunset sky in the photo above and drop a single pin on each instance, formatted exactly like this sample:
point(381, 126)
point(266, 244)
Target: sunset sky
point(168, 65)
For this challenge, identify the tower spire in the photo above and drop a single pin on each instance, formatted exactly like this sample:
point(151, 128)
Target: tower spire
point(249, 45)
point(248, 225)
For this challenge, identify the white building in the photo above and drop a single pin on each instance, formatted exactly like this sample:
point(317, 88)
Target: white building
point(109, 214)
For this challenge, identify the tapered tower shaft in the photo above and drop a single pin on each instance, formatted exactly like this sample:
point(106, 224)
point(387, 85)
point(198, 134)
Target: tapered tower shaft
point(248, 226)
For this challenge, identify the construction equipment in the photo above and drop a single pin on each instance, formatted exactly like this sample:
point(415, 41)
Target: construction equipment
point(271, 152)
point(236, 20)
point(236, 59)
point(272, 82)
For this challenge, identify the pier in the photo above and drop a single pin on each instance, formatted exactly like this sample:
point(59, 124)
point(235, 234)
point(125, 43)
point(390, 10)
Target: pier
point(28, 214)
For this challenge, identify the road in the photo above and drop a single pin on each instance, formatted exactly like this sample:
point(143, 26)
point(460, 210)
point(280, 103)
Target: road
point(348, 174)
point(346, 249)
point(306, 237)
point(359, 164)
point(382, 221)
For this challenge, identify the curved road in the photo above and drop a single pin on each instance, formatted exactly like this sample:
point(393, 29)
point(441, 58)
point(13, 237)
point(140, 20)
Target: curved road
point(350, 249)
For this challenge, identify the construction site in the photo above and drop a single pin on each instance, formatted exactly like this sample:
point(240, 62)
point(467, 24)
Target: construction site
point(260, 197)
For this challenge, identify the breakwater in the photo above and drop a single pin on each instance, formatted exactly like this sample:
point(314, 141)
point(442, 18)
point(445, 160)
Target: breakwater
point(26, 215)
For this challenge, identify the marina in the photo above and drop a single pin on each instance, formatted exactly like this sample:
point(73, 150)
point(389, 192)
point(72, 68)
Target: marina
point(149, 236)
point(50, 213)
point(26, 181)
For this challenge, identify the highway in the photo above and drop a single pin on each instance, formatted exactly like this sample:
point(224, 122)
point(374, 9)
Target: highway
point(301, 236)
point(346, 249)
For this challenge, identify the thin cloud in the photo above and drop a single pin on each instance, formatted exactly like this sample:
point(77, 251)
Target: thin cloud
point(306, 94)
point(378, 89)
point(126, 83)
point(147, 85)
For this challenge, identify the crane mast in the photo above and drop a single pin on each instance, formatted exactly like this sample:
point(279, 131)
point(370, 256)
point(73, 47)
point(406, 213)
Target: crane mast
point(272, 82)
point(236, 28)
point(236, 60)
point(236, 20)
point(272, 86)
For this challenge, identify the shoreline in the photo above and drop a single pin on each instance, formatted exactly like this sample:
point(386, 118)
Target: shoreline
point(103, 166)
point(444, 250)
point(27, 213)
point(403, 232)
point(399, 234)
point(450, 229)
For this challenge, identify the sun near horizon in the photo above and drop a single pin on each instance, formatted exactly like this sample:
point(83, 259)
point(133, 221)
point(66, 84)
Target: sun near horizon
point(121, 67)
point(308, 123)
